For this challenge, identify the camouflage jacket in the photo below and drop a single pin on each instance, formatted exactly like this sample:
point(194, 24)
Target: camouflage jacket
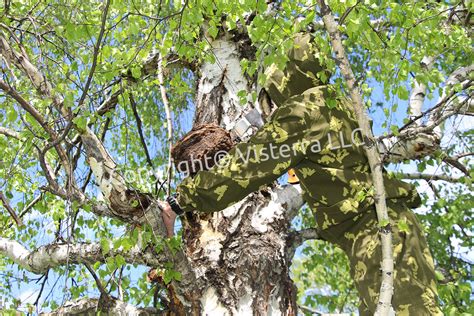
point(323, 143)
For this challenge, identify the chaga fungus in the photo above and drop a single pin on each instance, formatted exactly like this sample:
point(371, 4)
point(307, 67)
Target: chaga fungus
point(201, 148)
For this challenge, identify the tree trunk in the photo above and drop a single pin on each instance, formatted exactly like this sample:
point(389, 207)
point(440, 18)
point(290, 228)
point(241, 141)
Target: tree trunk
point(242, 255)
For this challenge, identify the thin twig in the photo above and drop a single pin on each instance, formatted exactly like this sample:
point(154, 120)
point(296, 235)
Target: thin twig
point(10, 210)
point(96, 53)
point(133, 104)
point(100, 286)
point(312, 311)
point(29, 207)
point(45, 276)
point(347, 12)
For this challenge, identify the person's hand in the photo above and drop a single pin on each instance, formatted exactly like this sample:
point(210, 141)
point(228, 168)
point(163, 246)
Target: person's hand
point(168, 217)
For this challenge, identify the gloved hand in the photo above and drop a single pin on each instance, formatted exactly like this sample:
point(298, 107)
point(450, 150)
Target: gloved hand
point(168, 217)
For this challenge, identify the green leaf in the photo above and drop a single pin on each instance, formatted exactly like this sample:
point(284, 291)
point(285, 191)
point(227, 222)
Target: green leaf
point(105, 246)
point(81, 122)
point(110, 263)
point(394, 130)
point(384, 223)
point(119, 259)
point(212, 30)
point(136, 72)
point(402, 93)
point(403, 226)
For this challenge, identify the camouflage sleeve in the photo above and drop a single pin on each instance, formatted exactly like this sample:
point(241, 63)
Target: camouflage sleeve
point(276, 147)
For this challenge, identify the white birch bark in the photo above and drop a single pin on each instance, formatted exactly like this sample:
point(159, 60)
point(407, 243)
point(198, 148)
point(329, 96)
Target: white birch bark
point(240, 255)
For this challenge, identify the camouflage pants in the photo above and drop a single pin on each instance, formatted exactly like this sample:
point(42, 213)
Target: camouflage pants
point(414, 278)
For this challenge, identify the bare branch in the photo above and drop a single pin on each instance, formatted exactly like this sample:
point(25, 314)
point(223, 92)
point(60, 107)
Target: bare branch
point(109, 103)
point(347, 12)
point(296, 238)
point(386, 290)
point(9, 133)
point(109, 306)
point(100, 286)
point(454, 161)
point(29, 207)
point(140, 130)
point(312, 311)
point(95, 54)
point(10, 210)
point(21, 61)
point(53, 255)
point(169, 124)
point(418, 93)
point(428, 177)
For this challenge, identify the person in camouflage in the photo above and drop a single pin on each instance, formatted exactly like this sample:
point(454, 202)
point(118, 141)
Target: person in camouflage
point(324, 145)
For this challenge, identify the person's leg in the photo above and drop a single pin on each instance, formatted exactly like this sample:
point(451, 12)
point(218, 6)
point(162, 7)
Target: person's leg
point(414, 278)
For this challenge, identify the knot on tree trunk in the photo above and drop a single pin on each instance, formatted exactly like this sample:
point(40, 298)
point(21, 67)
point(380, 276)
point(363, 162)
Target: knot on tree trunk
point(201, 148)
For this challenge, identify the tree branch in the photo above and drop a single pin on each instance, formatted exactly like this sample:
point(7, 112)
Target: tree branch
point(21, 61)
point(109, 306)
point(417, 96)
point(29, 207)
point(412, 144)
point(100, 286)
point(312, 311)
point(95, 54)
point(416, 141)
point(454, 161)
point(125, 203)
point(169, 123)
point(46, 257)
point(9, 133)
point(139, 128)
point(296, 238)
point(386, 290)
point(42, 122)
point(10, 210)
point(110, 103)
point(428, 177)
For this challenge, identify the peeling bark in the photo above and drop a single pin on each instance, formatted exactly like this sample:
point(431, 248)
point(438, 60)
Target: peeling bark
point(53, 255)
point(412, 145)
point(123, 202)
point(240, 255)
point(217, 100)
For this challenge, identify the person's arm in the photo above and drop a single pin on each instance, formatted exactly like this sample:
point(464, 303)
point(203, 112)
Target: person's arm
point(276, 147)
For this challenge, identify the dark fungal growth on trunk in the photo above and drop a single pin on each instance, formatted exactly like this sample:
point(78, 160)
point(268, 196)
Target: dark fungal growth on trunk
point(201, 148)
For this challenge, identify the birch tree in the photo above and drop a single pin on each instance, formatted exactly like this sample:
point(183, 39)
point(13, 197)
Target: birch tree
point(94, 93)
